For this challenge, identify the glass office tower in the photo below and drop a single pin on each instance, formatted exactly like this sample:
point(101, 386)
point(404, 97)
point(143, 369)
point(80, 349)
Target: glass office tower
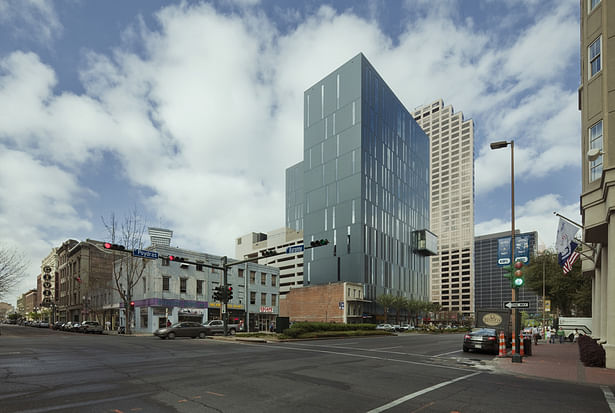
point(365, 185)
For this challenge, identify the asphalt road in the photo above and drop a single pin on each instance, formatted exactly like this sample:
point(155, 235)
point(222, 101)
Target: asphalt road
point(43, 370)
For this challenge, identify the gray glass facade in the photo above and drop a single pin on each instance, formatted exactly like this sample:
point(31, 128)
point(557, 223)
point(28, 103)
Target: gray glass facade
point(365, 183)
point(491, 288)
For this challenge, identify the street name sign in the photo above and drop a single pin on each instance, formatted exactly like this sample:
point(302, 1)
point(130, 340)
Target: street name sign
point(295, 249)
point(517, 304)
point(145, 254)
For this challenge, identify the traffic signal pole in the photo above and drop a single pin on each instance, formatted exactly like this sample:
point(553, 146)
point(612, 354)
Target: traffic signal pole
point(225, 301)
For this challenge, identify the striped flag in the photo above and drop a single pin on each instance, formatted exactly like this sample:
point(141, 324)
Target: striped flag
point(565, 245)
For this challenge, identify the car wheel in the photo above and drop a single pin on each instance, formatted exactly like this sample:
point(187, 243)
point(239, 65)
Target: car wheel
point(465, 349)
point(232, 332)
point(162, 337)
point(202, 334)
point(171, 336)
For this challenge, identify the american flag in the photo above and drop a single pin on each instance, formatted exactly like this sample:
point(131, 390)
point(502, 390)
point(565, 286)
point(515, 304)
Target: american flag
point(568, 264)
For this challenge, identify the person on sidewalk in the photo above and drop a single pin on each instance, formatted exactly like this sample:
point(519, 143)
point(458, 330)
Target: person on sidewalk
point(560, 334)
point(576, 335)
point(548, 335)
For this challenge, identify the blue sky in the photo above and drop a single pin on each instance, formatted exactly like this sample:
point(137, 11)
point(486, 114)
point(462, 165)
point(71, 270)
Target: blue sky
point(191, 111)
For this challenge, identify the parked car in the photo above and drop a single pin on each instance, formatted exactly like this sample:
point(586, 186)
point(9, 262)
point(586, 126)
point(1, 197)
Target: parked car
point(91, 327)
point(386, 327)
point(182, 329)
point(57, 325)
point(481, 339)
point(43, 324)
point(217, 327)
point(75, 327)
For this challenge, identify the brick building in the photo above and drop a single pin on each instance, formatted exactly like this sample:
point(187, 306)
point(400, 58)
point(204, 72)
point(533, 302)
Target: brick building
point(340, 302)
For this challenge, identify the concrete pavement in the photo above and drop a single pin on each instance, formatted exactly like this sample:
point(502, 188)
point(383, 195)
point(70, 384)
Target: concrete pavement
point(556, 361)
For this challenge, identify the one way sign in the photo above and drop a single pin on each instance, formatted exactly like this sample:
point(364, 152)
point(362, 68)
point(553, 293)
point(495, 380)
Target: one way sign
point(517, 304)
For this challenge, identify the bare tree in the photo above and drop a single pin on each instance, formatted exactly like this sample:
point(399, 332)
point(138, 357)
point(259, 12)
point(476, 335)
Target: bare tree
point(13, 267)
point(127, 270)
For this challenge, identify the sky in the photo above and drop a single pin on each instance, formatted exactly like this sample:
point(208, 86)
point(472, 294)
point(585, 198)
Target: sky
point(190, 112)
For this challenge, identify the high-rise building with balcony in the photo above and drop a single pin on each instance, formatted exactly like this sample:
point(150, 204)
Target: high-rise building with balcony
point(363, 184)
point(452, 204)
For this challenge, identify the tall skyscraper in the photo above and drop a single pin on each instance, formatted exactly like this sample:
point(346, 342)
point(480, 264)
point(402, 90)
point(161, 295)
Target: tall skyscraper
point(452, 204)
point(364, 184)
point(491, 288)
point(598, 172)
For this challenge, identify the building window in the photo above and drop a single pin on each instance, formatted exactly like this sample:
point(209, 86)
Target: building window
point(595, 142)
point(252, 297)
point(199, 267)
point(592, 4)
point(594, 52)
point(263, 298)
point(199, 287)
point(274, 280)
point(240, 272)
point(165, 262)
point(182, 285)
point(165, 283)
point(263, 278)
point(273, 300)
point(252, 277)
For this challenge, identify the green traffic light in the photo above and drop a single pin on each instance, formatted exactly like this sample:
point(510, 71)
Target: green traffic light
point(518, 282)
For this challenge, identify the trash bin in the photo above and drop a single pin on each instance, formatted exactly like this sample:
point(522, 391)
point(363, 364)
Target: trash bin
point(527, 346)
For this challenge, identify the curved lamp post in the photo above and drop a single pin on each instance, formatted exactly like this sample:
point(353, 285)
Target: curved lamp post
point(498, 145)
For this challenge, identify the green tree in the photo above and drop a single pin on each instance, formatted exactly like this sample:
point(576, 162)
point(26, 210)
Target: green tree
point(398, 304)
point(386, 302)
point(414, 307)
point(568, 292)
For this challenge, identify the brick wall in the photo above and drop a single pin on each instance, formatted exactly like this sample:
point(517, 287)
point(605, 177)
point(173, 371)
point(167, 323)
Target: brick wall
point(318, 303)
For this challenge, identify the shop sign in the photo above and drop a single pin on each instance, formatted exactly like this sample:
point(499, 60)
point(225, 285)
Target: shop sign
point(265, 309)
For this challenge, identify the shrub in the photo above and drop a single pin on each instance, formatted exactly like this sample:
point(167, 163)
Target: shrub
point(591, 353)
point(301, 328)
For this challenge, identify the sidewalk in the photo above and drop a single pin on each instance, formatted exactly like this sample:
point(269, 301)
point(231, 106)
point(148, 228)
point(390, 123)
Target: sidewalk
point(556, 361)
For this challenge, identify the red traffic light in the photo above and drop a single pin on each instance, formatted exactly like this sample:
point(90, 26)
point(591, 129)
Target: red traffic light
point(171, 258)
point(132, 303)
point(518, 265)
point(110, 246)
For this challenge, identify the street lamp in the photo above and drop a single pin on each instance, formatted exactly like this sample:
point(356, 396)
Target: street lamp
point(499, 145)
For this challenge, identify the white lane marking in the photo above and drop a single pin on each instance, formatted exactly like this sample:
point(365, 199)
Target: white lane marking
point(367, 349)
point(86, 403)
point(10, 354)
point(444, 354)
point(419, 393)
point(368, 357)
point(608, 395)
point(386, 348)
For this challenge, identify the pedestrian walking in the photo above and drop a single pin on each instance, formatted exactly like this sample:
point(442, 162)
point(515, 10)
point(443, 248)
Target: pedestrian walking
point(548, 335)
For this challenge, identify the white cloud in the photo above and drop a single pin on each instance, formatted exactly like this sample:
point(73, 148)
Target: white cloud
point(205, 111)
point(535, 215)
point(31, 19)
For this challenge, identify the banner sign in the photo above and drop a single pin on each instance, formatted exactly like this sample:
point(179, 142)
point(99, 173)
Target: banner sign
point(522, 250)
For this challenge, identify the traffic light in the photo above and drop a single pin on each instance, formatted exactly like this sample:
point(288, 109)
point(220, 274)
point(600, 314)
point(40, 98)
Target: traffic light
point(132, 305)
point(229, 293)
point(216, 294)
point(518, 280)
point(268, 253)
point(319, 243)
point(110, 246)
point(176, 258)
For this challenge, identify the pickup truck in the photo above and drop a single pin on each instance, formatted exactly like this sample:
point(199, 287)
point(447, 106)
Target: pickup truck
point(217, 327)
